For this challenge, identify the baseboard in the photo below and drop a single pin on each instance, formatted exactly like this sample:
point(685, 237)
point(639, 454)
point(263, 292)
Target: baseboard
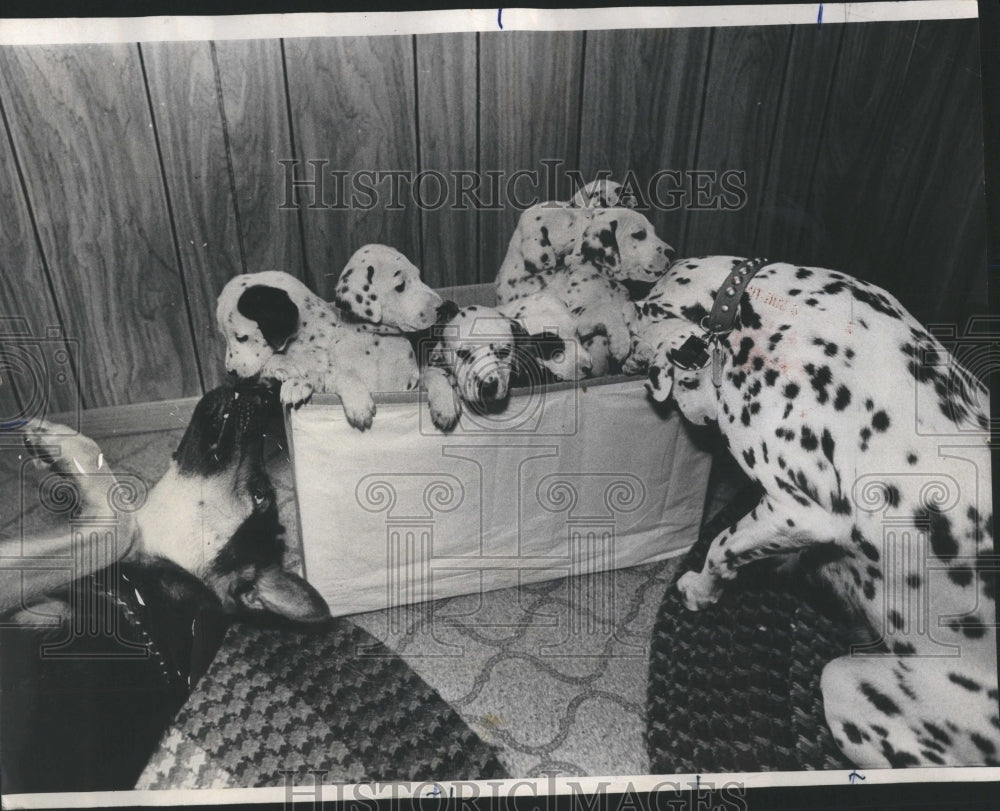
point(124, 420)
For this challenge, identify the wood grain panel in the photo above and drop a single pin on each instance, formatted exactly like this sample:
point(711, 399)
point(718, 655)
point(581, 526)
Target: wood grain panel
point(529, 110)
point(27, 310)
point(936, 255)
point(182, 90)
point(82, 130)
point(446, 121)
point(352, 103)
point(251, 80)
point(850, 196)
point(642, 102)
point(742, 93)
point(784, 224)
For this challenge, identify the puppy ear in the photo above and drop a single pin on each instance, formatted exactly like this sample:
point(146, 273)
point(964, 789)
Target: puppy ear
point(600, 244)
point(284, 594)
point(274, 311)
point(446, 311)
point(525, 350)
point(351, 297)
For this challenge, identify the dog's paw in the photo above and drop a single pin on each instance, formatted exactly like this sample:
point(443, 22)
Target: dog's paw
point(78, 455)
point(359, 408)
point(697, 590)
point(295, 392)
point(619, 341)
point(637, 363)
point(445, 407)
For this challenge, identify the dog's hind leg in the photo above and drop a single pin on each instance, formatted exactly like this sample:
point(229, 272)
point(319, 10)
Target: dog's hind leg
point(33, 565)
point(770, 529)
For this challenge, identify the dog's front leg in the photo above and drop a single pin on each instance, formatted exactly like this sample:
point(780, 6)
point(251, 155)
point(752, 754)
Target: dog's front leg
point(770, 529)
point(359, 407)
point(442, 399)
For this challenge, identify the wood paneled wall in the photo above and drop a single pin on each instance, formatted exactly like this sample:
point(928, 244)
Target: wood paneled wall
point(136, 179)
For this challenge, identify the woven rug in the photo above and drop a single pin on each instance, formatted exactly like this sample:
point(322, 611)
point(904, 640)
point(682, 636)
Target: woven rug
point(735, 687)
point(275, 701)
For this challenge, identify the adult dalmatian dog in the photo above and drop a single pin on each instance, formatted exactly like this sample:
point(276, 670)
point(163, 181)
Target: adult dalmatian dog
point(869, 441)
point(277, 329)
point(585, 256)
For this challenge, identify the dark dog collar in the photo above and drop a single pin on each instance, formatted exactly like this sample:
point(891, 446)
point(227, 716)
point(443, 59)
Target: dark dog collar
point(720, 321)
point(694, 355)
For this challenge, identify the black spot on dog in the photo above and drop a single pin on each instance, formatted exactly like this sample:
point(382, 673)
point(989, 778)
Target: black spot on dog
point(903, 648)
point(802, 273)
point(808, 439)
point(843, 398)
point(770, 376)
point(892, 495)
point(960, 575)
point(747, 315)
point(914, 581)
point(852, 732)
point(962, 681)
point(695, 313)
point(869, 590)
point(746, 344)
point(911, 458)
point(943, 542)
point(984, 745)
point(880, 701)
point(791, 390)
point(820, 379)
point(895, 619)
point(880, 421)
point(748, 457)
point(828, 445)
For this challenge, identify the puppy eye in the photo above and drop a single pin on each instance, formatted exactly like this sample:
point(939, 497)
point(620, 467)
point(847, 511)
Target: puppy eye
point(640, 234)
point(401, 286)
point(242, 338)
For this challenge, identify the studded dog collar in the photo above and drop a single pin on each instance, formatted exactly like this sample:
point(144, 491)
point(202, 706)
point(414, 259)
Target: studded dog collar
point(723, 315)
point(694, 353)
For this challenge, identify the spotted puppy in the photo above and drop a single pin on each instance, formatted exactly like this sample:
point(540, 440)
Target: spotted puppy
point(278, 329)
point(869, 442)
point(470, 362)
point(551, 335)
point(586, 258)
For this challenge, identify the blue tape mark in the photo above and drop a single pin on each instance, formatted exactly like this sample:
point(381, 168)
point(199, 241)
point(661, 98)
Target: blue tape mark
point(12, 426)
point(819, 17)
point(499, 18)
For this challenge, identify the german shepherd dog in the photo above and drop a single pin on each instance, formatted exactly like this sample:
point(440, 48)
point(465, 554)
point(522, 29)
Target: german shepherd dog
point(208, 530)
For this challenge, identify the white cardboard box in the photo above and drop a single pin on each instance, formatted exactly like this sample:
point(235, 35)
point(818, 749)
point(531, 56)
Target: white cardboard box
point(569, 479)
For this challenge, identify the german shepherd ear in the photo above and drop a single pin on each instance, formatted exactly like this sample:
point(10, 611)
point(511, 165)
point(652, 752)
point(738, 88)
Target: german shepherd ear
point(274, 311)
point(285, 594)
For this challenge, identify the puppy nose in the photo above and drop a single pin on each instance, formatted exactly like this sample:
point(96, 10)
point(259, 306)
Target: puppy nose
point(490, 387)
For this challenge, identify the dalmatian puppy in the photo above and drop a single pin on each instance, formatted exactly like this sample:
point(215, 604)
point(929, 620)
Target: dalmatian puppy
point(611, 248)
point(869, 441)
point(381, 287)
point(551, 328)
point(278, 329)
point(471, 362)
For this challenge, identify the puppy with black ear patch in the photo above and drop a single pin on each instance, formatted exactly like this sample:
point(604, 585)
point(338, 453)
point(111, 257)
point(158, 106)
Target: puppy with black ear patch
point(278, 329)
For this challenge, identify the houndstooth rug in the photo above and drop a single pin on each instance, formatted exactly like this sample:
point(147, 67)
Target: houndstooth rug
point(275, 702)
point(735, 687)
